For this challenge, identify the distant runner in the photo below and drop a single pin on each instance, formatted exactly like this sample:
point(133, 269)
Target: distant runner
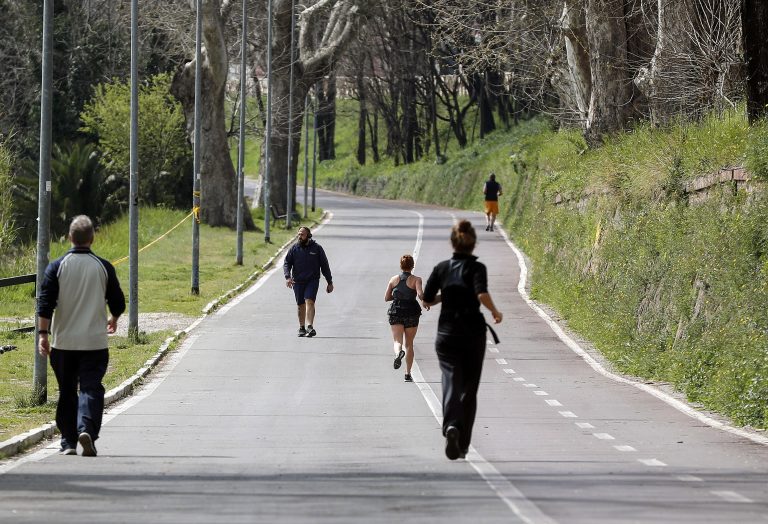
point(492, 191)
point(303, 265)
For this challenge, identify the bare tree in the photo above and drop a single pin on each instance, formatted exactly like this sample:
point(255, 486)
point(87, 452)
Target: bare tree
point(696, 64)
point(324, 29)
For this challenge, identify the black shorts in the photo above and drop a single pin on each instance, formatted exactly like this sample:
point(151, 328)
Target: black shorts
point(408, 321)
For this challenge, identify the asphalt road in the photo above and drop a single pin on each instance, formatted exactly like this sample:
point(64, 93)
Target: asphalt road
point(246, 422)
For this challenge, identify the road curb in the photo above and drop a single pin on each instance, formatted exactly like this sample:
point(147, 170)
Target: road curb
point(19, 443)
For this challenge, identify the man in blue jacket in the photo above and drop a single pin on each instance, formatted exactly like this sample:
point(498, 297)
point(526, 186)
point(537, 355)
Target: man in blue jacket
point(303, 264)
point(72, 308)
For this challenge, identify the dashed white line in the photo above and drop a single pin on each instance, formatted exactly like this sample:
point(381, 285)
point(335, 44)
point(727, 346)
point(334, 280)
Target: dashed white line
point(732, 496)
point(568, 414)
point(541, 393)
point(585, 425)
point(553, 402)
point(651, 462)
point(501, 361)
point(509, 371)
point(603, 436)
point(519, 379)
point(493, 350)
point(689, 478)
point(625, 448)
point(529, 385)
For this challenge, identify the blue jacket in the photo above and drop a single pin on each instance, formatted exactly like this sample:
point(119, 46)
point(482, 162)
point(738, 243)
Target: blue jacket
point(79, 287)
point(306, 263)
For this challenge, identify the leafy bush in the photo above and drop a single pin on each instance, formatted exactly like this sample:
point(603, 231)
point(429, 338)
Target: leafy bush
point(164, 152)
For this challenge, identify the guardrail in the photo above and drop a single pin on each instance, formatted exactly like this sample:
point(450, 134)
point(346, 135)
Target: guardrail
point(15, 281)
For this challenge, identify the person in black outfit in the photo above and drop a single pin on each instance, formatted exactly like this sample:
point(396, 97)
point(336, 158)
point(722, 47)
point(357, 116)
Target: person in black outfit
point(404, 312)
point(302, 267)
point(462, 283)
point(492, 191)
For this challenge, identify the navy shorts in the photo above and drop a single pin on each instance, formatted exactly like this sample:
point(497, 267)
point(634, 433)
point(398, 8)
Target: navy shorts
point(306, 290)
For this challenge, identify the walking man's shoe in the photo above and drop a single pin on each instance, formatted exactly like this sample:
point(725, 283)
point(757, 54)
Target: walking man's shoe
point(311, 331)
point(408, 377)
point(302, 332)
point(85, 440)
point(67, 451)
point(452, 450)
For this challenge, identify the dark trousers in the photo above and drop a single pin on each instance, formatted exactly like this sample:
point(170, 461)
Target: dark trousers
point(461, 361)
point(75, 413)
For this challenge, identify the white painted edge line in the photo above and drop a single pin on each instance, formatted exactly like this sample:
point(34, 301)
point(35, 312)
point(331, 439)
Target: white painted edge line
point(652, 462)
point(19, 443)
point(523, 508)
point(574, 346)
point(732, 496)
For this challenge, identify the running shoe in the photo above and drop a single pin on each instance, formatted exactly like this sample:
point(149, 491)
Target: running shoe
point(399, 359)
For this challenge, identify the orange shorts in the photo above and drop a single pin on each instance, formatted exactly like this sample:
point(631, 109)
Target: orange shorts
point(492, 207)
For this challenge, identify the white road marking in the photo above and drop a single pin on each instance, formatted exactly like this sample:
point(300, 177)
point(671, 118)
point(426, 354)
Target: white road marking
point(625, 448)
point(651, 462)
point(509, 371)
point(732, 496)
point(493, 350)
point(585, 425)
point(529, 385)
point(541, 393)
point(574, 346)
point(553, 402)
point(501, 361)
point(603, 436)
point(519, 379)
point(568, 414)
point(689, 478)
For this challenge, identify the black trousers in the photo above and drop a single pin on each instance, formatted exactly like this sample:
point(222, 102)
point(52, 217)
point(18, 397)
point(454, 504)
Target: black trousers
point(461, 362)
point(81, 413)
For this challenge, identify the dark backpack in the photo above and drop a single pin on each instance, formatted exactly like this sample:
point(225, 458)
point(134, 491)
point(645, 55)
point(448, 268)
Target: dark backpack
point(456, 277)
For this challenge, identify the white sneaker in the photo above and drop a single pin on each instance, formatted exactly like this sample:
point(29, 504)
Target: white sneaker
point(85, 440)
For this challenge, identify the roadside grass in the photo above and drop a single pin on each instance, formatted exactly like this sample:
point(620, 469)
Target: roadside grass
point(164, 286)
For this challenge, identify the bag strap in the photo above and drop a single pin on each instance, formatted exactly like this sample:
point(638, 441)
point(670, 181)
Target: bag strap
point(493, 333)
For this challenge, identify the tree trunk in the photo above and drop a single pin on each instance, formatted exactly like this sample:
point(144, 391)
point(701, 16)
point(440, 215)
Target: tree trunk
point(326, 132)
point(754, 23)
point(663, 80)
point(611, 92)
point(362, 117)
point(577, 52)
point(315, 60)
point(218, 180)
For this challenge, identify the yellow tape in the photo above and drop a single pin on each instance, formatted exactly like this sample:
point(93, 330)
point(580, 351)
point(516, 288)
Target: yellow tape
point(196, 212)
point(121, 260)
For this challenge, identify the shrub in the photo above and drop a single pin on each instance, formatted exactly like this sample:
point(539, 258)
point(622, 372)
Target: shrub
point(164, 152)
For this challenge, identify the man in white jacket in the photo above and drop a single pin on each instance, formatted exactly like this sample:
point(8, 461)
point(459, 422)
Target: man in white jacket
point(72, 309)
